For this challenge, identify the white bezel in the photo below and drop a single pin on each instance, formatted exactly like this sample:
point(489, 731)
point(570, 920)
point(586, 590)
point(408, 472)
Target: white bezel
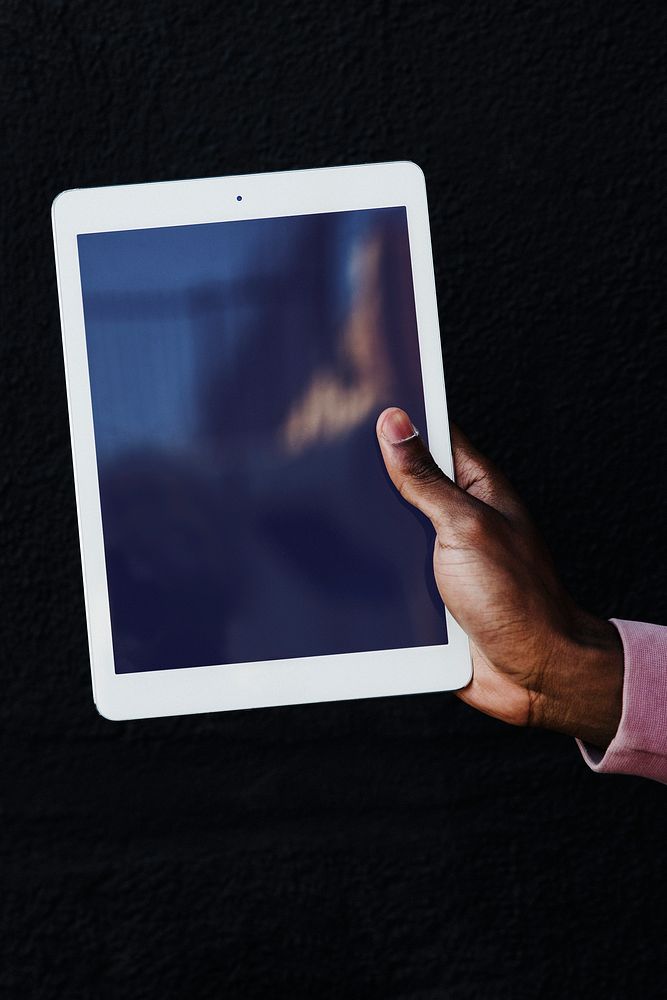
point(177, 203)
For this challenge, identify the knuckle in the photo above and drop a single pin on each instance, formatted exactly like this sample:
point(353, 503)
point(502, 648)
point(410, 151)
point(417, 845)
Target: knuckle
point(422, 469)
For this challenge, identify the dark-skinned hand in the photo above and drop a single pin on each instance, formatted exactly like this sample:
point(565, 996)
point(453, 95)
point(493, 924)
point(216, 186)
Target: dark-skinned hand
point(538, 659)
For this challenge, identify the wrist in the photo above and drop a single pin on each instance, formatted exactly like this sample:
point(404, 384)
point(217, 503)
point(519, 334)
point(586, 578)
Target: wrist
point(584, 693)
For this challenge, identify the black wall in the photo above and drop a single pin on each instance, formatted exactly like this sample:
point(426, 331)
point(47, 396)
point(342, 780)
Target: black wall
point(398, 848)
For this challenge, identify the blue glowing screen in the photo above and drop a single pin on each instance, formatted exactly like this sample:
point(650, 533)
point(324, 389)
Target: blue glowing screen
point(237, 370)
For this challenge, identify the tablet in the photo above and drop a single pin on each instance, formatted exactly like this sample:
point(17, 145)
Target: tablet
point(229, 344)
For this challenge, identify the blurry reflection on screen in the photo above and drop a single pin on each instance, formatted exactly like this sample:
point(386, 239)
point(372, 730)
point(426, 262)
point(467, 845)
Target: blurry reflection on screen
point(237, 370)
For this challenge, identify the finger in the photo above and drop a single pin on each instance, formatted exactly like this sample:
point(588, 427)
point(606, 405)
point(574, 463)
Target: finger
point(479, 477)
point(416, 475)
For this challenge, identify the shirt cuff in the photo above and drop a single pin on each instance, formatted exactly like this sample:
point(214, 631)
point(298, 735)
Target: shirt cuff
point(640, 744)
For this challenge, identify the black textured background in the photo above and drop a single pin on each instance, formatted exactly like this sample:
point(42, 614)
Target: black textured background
point(398, 848)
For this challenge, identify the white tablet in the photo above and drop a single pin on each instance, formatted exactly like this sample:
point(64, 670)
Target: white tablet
point(229, 344)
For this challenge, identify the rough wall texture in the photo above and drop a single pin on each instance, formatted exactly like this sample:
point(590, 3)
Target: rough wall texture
point(399, 848)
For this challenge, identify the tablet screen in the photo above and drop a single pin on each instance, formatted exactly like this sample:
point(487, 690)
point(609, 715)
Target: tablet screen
point(237, 370)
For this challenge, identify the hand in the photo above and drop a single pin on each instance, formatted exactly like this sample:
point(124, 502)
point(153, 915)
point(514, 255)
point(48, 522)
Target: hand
point(538, 659)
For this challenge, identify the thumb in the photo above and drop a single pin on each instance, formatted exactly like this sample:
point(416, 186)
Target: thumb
point(415, 474)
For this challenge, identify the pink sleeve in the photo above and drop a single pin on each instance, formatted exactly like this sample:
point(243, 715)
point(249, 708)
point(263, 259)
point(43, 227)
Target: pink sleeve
point(640, 744)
